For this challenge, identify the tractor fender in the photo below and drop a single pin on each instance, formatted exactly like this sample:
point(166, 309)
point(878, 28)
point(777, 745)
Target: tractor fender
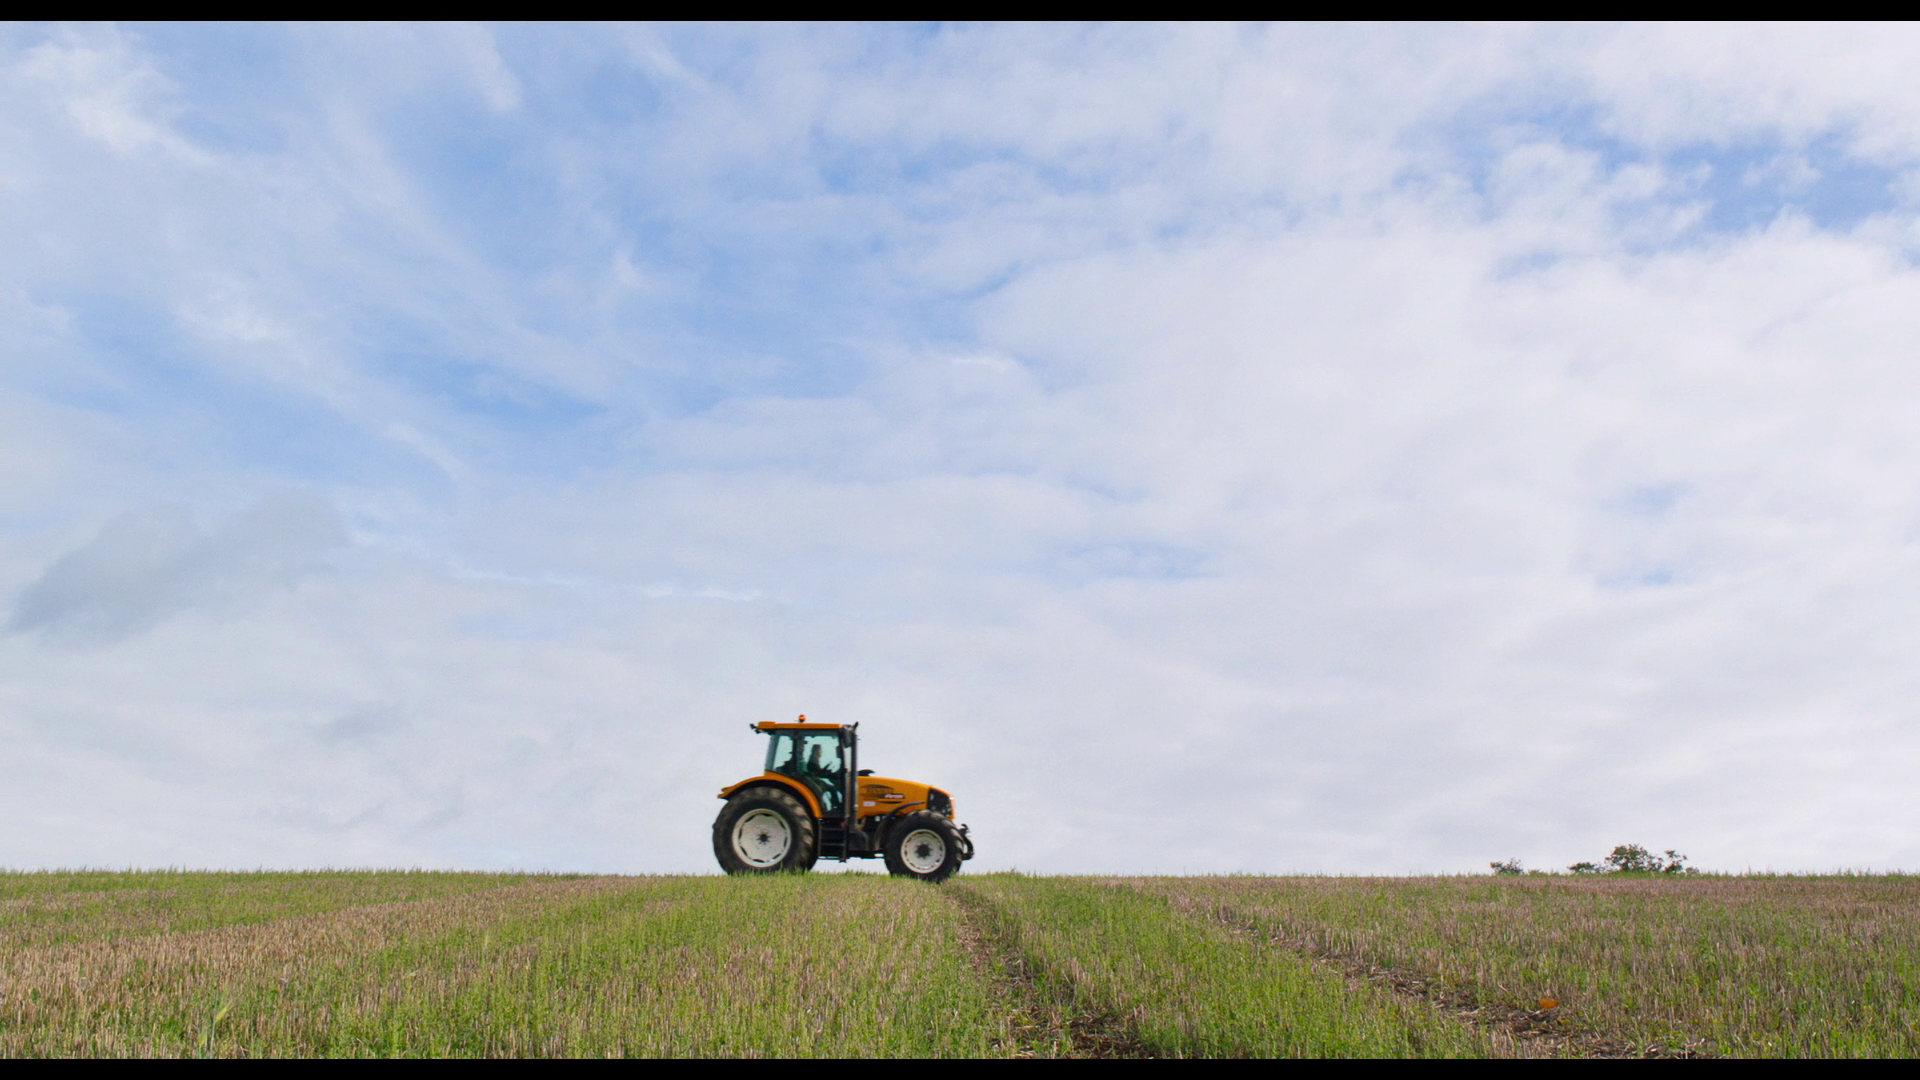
point(798, 789)
point(883, 822)
point(878, 826)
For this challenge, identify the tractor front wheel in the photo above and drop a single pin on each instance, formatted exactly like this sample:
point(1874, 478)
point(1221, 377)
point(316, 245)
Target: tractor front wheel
point(762, 830)
point(923, 845)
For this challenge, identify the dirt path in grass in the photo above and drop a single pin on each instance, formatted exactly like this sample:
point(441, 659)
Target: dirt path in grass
point(1522, 1032)
point(1039, 1023)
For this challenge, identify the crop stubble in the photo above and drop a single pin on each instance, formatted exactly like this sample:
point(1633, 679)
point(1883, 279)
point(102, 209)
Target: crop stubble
point(1041, 1018)
point(588, 967)
point(994, 965)
point(131, 989)
point(1640, 966)
point(1180, 987)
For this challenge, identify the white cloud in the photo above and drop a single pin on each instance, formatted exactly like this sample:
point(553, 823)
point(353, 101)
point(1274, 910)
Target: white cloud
point(1677, 84)
point(1335, 449)
point(145, 566)
point(111, 93)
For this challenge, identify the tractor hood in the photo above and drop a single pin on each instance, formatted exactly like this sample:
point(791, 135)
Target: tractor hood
point(887, 795)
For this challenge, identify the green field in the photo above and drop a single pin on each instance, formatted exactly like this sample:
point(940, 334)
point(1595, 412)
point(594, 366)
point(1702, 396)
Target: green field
point(431, 964)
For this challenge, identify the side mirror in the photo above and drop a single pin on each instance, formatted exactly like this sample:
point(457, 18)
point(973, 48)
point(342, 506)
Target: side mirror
point(866, 772)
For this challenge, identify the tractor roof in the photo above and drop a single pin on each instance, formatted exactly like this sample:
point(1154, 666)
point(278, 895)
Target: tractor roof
point(768, 725)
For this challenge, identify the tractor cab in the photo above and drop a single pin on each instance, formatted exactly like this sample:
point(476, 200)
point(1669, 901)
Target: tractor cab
point(818, 755)
point(813, 801)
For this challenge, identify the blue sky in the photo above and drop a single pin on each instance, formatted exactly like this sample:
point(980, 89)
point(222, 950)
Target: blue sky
point(1352, 449)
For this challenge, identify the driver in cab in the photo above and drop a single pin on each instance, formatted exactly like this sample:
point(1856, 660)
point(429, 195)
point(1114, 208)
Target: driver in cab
point(824, 778)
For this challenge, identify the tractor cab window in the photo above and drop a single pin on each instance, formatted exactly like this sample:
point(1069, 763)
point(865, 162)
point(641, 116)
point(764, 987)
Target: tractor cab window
point(816, 759)
point(780, 746)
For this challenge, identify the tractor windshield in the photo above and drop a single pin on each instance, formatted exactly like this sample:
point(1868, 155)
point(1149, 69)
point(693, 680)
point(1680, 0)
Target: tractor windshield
point(814, 758)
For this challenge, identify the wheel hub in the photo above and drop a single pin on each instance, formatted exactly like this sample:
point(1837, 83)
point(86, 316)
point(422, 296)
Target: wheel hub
point(761, 838)
point(924, 851)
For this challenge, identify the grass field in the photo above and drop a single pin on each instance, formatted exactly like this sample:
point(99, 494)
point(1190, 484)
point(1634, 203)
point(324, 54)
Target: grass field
point(432, 964)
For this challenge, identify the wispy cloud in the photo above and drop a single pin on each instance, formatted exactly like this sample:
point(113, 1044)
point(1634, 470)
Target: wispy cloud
point(1293, 447)
point(147, 565)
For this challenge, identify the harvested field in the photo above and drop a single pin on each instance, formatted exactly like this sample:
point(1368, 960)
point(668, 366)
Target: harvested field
point(1178, 987)
point(1640, 966)
point(421, 964)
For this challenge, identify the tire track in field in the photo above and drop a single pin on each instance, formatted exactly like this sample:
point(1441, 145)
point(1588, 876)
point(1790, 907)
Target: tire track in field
point(1529, 1032)
point(1041, 1023)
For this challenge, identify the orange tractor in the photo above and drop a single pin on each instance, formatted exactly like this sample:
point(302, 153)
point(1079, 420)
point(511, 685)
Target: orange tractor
point(815, 802)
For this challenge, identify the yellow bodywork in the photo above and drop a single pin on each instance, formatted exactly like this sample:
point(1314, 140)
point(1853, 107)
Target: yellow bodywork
point(878, 796)
point(883, 795)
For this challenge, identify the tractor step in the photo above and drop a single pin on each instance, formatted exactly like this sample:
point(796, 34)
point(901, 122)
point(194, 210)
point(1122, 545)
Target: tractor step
point(839, 842)
point(833, 841)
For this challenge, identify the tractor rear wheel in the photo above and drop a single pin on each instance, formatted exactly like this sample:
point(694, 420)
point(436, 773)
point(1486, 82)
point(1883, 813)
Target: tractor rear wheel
point(923, 845)
point(762, 830)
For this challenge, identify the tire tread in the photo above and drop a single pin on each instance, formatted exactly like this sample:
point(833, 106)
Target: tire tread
point(910, 823)
point(806, 838)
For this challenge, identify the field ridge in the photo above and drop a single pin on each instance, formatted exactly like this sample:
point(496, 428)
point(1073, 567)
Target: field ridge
point(1043, 1022)
point(1527, 1032)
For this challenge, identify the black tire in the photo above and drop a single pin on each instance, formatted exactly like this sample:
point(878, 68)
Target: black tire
point(923, 845)
point(748, 834)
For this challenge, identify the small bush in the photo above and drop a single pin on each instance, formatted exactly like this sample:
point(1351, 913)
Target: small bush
point(1634, 859)
point(1510, 868)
